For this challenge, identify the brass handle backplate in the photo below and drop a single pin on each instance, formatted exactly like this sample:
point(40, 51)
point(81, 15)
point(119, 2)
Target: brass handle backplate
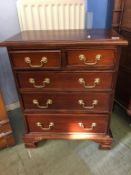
point(39, 124)
point(93, 125)
point(84, 59)
point(46, 81)
point(96, 82)
point(48, 102)
point(82, 103)
point(43, 61)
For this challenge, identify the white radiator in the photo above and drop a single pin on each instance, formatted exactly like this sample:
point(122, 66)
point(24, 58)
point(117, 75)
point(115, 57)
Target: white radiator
point(51, 14)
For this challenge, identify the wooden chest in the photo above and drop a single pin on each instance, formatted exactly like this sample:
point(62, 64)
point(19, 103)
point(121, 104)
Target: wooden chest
point(65, 81)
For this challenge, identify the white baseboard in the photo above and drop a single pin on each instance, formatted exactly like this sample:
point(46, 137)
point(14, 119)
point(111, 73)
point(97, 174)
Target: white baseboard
point(13, 106)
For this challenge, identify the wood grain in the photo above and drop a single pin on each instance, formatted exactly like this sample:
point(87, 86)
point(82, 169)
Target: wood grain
point(6, 137)
point(68, 101)
point(53, 59)
point(68, 123)
point(63, 49)
point(60, 80)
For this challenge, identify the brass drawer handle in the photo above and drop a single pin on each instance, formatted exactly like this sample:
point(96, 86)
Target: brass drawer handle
point(51, 124)
point(84, 59)
point(96, 82)
point(93, 125)
point(94, 103)
point(48, 102)
point(46, 81)
point(43, 61)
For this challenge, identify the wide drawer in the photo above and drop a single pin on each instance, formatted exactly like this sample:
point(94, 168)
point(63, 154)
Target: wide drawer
point(91, 58)
point(36, 59)
point(65, 81)
point(84, 102)
point(67, 123)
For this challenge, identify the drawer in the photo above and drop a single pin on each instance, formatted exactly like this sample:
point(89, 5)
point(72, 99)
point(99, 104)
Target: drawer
point(91, 58)
point(65, 81)
point(36, 59)
point(67, 123)
point(83, 102)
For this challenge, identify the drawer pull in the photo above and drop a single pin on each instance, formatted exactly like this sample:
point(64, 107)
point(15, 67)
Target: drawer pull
point(94, 103)
point(51, 124)
point(84, 59)
point(96, 82)
point(93, 125)
point(42, 61)
point(46, 81)
point(48, 102)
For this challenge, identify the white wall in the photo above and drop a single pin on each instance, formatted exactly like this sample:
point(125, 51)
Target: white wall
point(8, 19)
point(9, 26)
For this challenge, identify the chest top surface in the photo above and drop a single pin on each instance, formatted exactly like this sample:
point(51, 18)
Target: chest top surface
point(65, 37)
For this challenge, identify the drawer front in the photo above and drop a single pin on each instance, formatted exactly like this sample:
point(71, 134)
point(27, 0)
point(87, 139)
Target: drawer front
point(91, 58)
point(65, 81)
point(83, 102)
point(36, 59)
point(67, 123)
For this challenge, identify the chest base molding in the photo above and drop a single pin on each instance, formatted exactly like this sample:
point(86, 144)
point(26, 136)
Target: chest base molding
point(31, 140)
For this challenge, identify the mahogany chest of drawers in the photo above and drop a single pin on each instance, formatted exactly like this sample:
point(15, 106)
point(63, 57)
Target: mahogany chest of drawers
point(65, 80)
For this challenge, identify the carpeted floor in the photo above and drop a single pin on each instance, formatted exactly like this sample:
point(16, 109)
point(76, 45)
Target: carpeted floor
point(71, 157)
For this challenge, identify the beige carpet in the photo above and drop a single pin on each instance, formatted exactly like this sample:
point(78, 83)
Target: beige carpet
point(73, 157)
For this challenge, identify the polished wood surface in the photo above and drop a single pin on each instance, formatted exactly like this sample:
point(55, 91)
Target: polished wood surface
point(123, 87)
point(107, 59)
point(53, 59)
point(74, 101)
point(68, 101)
point(65, 38)
point(68, 123)
point(60, 81)
point(6, 137)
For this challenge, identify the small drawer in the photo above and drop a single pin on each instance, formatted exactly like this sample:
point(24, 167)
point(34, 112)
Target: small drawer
point(59, 81)
point(67, 123)
point(91, 58)
point(83, 102)
point(36, 59)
